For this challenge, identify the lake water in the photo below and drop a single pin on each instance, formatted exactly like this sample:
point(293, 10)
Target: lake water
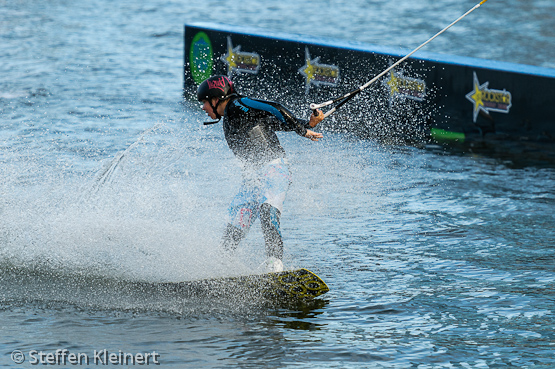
point(433, 260)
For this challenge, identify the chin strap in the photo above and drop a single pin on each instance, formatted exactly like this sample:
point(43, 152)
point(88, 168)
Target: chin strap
point(209, 123)
point(215, 111)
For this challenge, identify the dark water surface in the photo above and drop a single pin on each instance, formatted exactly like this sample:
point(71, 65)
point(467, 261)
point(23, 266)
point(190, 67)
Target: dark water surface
point(433, 260)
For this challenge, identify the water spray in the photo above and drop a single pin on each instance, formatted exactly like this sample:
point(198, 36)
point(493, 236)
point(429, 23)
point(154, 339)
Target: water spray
point(348, 96)
point(106, 174)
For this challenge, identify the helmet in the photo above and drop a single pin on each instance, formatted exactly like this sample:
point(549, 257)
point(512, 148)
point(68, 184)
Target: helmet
point(216, 86)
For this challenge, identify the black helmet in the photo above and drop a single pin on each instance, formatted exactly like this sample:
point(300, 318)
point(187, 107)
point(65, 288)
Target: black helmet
point(216, 86)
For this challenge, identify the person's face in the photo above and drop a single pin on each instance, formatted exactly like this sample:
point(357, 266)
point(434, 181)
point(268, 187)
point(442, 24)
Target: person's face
point(208, 109)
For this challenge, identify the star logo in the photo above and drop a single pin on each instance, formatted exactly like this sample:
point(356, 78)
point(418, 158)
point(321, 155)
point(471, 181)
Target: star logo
point(230, 56)
point(475, 97)
point(318, 74)
point(405, 87)
point(485, 99)
point(393, 84)
point(239, 61)
point(308, 69)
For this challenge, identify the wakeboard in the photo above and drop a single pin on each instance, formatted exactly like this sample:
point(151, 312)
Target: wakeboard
point(289, 284)
point(298, 284)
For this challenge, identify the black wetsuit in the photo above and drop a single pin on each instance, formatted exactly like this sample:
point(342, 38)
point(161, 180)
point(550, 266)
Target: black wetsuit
point(249, 128)
point(250, 125)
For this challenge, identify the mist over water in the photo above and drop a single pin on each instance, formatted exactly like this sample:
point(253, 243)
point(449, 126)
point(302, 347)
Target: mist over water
point(147, 213)
point(110, 183)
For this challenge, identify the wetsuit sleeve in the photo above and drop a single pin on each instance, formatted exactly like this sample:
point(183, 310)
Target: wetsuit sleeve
point(304, 122)
point(286, 119)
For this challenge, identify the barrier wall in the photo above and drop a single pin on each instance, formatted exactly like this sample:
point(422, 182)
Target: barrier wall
point(443, 97)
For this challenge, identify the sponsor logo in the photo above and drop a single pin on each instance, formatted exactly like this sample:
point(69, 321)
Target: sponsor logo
point(405, 87)
point(244, 217)
point(201, 57)
point(240, 61)
point(217, 83)
point(318, 74)
point(486, 99)
point(238, 104)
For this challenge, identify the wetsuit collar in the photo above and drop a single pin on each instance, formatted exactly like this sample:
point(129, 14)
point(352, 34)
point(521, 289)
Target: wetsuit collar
point(215, 108)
